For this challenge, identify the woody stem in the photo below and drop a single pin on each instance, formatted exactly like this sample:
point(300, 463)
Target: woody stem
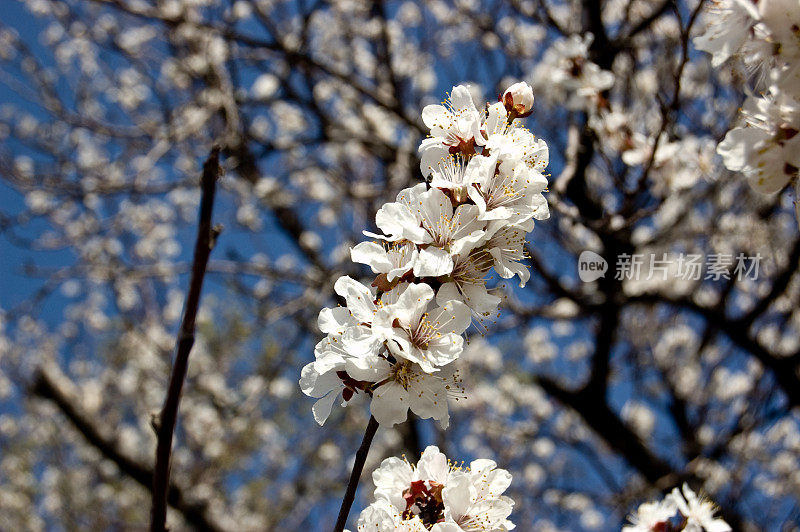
point(358, 467)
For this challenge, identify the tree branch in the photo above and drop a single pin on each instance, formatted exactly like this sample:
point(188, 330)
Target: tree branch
point(784, 370)
point(206, 237)
point(47, 384)
point(358, 467)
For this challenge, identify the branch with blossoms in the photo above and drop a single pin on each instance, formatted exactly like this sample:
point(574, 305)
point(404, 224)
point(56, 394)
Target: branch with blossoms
point(763, 36)
point(396, 341)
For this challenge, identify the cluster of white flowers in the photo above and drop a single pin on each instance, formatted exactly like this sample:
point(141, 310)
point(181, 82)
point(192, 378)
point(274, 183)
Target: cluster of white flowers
point(397, 339)
point(677, 511)
point(766, 37)
point(570, 76)
point(438, 496)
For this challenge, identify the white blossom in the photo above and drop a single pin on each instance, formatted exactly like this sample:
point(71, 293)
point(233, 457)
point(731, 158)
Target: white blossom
point(699, 513)
point(729, 22)
point(437, 495)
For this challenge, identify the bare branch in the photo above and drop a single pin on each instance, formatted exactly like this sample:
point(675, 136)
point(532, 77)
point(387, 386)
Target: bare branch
point(206, 237)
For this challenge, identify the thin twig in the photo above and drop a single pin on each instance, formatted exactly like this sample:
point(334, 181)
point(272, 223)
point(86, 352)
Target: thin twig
point(358, 467)
point(165, 424)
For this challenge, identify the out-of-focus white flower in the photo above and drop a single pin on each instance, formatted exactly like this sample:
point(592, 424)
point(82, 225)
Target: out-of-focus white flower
point(567, 72)
point(729, 22)
point(699, 512)
point(438, 496)
point(651, 515)
point(695, 514)
point(767, 148)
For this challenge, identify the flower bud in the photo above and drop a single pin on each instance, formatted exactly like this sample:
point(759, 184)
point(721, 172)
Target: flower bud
point(518, 99)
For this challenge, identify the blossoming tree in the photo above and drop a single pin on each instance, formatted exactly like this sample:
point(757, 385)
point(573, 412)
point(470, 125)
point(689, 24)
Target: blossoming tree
point(652, 344)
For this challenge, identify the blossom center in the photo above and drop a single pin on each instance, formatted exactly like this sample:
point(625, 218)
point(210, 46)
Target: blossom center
point(424, 500)
point(425, 332)
point(402, 374)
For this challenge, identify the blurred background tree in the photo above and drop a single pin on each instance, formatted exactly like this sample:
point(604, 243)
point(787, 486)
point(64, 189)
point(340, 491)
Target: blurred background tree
point(594, 395)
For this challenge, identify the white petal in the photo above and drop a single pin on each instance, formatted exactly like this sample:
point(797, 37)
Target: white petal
point(479, 299)
point(372, 254)
point(428, 397)
point(328, 356)
point(432, 465)
point(446, 527)
point(391, 478)
point(454, 317)
point(369, 368)
point(433, 262)
point(447, 292)
point(769, 182)
point(334, 320)
point(389, 404)
point(736, 146)
point(431, 152)
point(442, 351)
point(496, 118)
point(322, 408)
point(359, 341)
point(412, 304)
point(435, 116)
point(398, 221)
point(359, 298)
point(318, 385)
point(458, 494)
point(460, 98)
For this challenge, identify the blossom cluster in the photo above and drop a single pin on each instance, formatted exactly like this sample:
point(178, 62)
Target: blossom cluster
point(438, 496)
point(396, 340)
point(677, 511)
point(765, 36)
point(570, 76)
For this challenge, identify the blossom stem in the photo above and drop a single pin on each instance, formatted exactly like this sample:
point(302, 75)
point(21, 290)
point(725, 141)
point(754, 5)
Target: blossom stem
point(165, 423)
point(358, 467)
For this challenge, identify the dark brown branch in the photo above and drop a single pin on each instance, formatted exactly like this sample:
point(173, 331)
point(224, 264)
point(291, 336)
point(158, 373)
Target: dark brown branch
point(46, 386)
point(644, 24)
point(779, 285)
point(409, 433)
point(596, 413)
point(358, 467)
point(165, 425)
